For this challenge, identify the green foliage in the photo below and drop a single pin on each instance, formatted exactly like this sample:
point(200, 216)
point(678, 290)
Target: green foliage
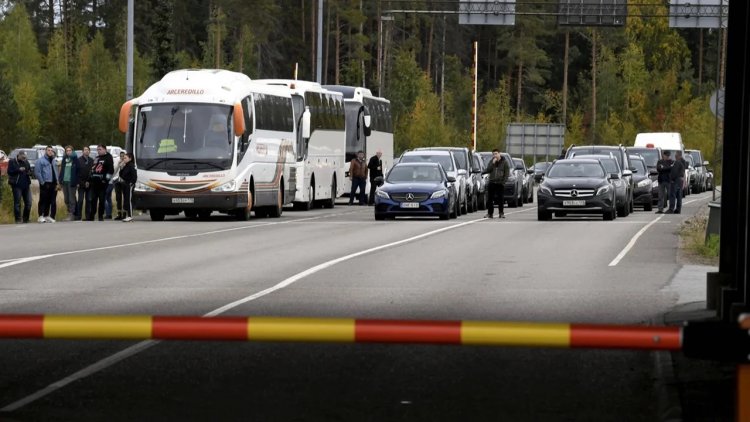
point(9, 110)
point(404, 90)
point(494, 115)
point(422, 126)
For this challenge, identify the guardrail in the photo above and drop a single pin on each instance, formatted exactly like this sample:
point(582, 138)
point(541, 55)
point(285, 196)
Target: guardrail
point(701, 340)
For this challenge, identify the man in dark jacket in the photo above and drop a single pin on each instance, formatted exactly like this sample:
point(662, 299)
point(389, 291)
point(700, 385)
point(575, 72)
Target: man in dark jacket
point(19, 177)
point(68, 178)
point(498, 169)
point(375, 165)
point(128, 177)
point(99, 178)
point(676, 183)
point(85, 163)
point(663, 167)
point(358, 176)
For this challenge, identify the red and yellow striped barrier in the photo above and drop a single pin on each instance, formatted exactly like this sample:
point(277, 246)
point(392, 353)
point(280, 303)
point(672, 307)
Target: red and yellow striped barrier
point(522, 334)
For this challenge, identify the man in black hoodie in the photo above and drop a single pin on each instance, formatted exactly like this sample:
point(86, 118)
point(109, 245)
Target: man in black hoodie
point(99, 178)
point(677, 180)
point(664, 167)
point(85, 163)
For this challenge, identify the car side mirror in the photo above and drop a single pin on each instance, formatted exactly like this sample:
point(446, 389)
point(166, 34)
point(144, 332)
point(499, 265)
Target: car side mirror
point(462, 172)
point(451, 179)
point(705, 163)
point(378, 180)
point(529, 171)
point(627, 173)
point(614, 176)
point(710, 170)
point(653, 173)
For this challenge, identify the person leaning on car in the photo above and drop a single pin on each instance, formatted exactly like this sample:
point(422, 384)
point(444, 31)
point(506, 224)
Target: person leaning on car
point(498, 170)
point(677, 180)
point(663, 167)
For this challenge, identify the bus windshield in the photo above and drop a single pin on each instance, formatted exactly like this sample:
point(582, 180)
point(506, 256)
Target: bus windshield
point(184, 137)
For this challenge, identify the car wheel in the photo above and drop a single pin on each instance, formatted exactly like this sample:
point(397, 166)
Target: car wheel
point(379, 217)
point(454, 211)
point(631, 208)
point(543, 215)
point(621, 211)
point(513, 202)
point(609, 215)
point(445, 216)
point(531, 196)
point(470, 204)
point(647, 207)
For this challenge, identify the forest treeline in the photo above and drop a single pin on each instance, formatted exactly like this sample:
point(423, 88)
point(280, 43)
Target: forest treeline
point(62, 67)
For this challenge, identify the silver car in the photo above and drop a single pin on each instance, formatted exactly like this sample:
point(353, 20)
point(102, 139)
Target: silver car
point(462, 156)
point(527, 192)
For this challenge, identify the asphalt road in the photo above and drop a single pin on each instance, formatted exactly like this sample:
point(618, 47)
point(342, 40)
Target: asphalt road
point(512, 269)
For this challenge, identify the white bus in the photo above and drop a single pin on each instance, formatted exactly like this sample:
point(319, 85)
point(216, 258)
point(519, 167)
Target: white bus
point(361, 135)
point(212, 140)
point(321, 156)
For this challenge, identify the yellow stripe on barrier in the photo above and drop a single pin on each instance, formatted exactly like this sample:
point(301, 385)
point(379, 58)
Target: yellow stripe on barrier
point(515, 334)
point(300, 329)
point(97, 326)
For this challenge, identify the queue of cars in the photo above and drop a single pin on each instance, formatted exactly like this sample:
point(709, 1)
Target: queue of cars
point(413, 186)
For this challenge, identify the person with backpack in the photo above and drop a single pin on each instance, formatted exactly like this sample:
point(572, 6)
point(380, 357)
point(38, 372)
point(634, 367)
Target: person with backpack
point(19, 178)
point(128, 177)
point(101, 174)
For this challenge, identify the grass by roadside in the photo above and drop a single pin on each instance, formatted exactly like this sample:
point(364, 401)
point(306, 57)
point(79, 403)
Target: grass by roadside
point(6, 208)
point(695, 248)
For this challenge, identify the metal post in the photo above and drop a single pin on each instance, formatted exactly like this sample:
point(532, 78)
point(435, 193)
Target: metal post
point(319, 52)
point(474, 110)
point(129, 53)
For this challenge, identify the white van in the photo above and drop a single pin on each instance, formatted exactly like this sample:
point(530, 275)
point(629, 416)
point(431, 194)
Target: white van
point(667, 141)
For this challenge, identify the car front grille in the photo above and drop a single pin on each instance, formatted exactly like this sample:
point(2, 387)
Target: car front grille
point(401, 197)
point(568, 193)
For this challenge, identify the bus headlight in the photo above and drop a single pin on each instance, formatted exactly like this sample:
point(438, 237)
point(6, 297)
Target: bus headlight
point(229, 186)
point(142, 187)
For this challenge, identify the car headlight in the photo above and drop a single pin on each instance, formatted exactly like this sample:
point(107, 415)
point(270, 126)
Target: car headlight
point(602, 190)
point(439, 194)
point(655, 184)
point(545, 190)
point(643, 183)
point(229, 186)
point(142, 187)
point(381, 194)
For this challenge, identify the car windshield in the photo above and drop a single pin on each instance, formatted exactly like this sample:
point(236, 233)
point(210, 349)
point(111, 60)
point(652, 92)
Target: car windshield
point(639, 166)
point(650, 155)
point(696, 157)
point(563, 169)
point(541, 166)
point(599, 151)
point(184, 137)
point(689, 159)
point(460, 158)
point(31, 154)
point(442, 159)
point(519, 163)
point(610, 165)
point(405, 173)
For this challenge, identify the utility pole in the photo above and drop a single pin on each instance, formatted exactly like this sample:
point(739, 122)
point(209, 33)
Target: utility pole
point(129, 53)
point(319, 67)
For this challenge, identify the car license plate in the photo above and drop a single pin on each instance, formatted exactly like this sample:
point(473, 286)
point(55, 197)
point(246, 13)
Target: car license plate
point(410, 205)
point(183, 200)
point(574, 203)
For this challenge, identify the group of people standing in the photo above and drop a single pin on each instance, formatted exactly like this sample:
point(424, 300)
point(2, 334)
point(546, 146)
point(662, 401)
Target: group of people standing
point(358, 172)
point(86, 183)
point(671, 182)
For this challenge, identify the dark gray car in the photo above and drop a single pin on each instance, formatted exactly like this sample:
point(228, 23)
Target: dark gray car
point(528, 181)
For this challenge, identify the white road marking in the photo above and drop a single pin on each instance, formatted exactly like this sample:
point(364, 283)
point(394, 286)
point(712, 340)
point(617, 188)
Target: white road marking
point(23, 260)
point(630, 244)
point(143, 345)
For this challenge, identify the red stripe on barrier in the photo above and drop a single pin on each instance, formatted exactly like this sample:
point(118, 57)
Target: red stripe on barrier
point(197, 328)
point(395, 331)
point(625, 337)
point(22, 326)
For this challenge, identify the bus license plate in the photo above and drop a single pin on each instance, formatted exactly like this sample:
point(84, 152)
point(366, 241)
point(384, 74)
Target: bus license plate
point(410, 205)
point(183, 200)
point(574, 203)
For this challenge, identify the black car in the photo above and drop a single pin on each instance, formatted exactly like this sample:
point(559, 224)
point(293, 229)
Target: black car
point(619, 152)
point(539, 169)
point(577, 186)
point(642, 196)
point(416, 189)
point(623, 194)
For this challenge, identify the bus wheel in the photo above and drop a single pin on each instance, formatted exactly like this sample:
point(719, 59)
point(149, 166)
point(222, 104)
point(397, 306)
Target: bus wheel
point(330, 203)
point(243, 214)
point(307, 206)
point(191, 214)
point(204, 214)
point(156, 215)
point(274, 211)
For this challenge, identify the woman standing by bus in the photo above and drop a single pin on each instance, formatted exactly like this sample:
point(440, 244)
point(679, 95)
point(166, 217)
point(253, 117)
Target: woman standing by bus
point(128, 177)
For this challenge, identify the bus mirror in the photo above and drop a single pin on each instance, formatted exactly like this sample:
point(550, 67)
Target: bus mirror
point(239, 120)
point(368, 120)
point(306, 123)
point(125, 116)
